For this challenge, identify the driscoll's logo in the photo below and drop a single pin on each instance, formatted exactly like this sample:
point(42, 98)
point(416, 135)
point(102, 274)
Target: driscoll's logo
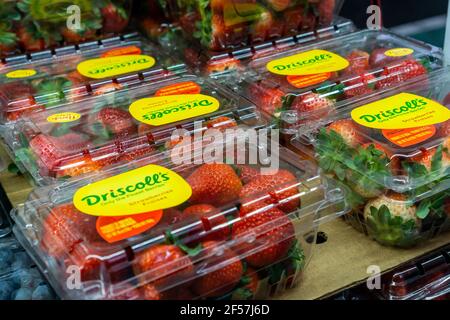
point(148, 181)
point(121, 65)
point(299, 64)
point(408, 106)
point(184, 107)
point(401, 111)
point(101, 68)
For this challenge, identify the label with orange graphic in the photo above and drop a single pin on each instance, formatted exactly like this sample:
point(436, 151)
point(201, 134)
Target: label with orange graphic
point(188, 87)
point(134, 192)
point(307, 81)
point(113, 229)
point(409, 137)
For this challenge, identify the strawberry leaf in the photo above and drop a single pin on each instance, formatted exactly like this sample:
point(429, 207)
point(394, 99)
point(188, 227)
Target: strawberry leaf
point(423, 210)
point(172, 239)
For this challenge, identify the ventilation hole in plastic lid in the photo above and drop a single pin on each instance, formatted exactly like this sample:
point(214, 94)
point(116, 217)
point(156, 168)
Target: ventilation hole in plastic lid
point(321, 237)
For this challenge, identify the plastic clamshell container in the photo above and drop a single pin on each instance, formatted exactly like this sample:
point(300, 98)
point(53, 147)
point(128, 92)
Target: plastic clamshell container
point(235, 23)
point(426, 279)
point(224, 239)
point(221, 64)
point(307, 82)
point(390, 152)
point(28, 87)
point(86, 136)
point(20, 279)
point(35, 25)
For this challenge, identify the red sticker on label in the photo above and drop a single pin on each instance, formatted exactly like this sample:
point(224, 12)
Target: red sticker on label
point(113, 229)
point(122, 52)
point(409, 137)
point(188, 87)
point(310, 80)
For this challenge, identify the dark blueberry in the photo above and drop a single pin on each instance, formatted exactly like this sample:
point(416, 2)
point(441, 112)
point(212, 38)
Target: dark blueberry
point(6, 288)
point(6, 256)
point(26, 278)
point(21, 260)
point(42, 292)
point(23, 294)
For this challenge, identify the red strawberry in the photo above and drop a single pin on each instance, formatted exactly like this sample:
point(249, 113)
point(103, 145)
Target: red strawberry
point(293, 20)
point(247, 173)
point(218, 282)
point(217, 33)
point(359, 63)
point(313, 105)
point(210, 217)
point(28, 41)
point(445, 129)
point(271, 188)
point(275, 234)
point(400, 73)
point(326, 11)
point(106, 88)
point(279, 5)
point(221, 123)
point(64, 228)
point(217, 5)
point(378, 59)
point(262, 28)
point(215, 184)
point(78, 166)
point(222, 65)
point(116, 121)
point(359, 86)
point(347, 129)
point(115, 19)
point(52, 150)
point(267, 99)
point(161, 265)
point(127, 293)
point(73, 37)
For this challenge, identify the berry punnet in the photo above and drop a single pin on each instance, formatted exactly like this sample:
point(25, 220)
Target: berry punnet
point(156, 231)
point(390, 154)
point(297, 86)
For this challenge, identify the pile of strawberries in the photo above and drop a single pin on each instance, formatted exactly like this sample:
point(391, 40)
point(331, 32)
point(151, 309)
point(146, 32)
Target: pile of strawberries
point(219, 24)
point(34, 25)
point(366, 74)
point(235, 228)
point(363, 161)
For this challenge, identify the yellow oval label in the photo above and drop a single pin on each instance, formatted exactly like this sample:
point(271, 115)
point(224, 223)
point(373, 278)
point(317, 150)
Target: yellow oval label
point(101, 68)
point(306, 63)
point(401, 111)
point(157, 111)
point(23, 73)
point(63, 117)
point(399, 52)
point(149, 188)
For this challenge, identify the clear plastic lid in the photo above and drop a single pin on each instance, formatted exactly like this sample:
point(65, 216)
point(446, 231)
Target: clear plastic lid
point(48, 83)
point(192, 231)
point(220, 64)
point(396, 140)
point(426, 279)
point(20, 279)
point(35, 25)
point(229, 24)
point(124, 125)
point(308, 82)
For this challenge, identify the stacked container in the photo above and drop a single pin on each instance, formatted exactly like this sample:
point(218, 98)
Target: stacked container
point(426, 279)
point(214, 230)
point(309, 82)
point(120, 126)
point(35, 25)
point(390, 152)
point(72, 76)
